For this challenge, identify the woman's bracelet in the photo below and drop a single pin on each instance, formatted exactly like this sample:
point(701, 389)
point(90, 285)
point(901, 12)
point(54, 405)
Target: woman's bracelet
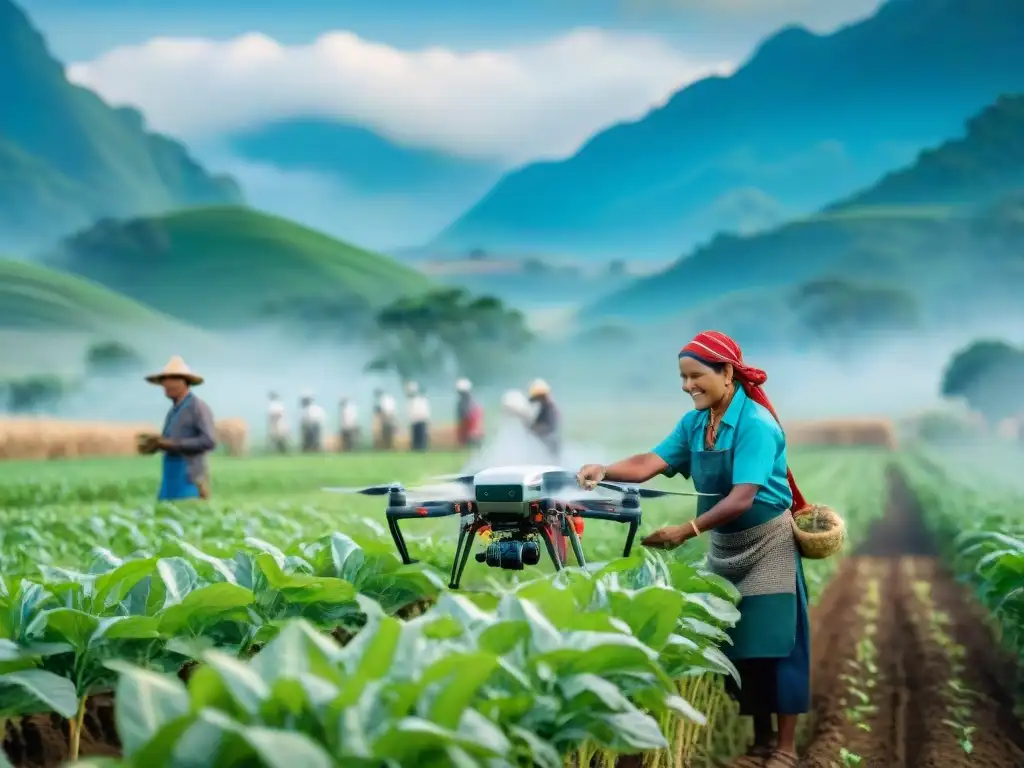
point(696, 530)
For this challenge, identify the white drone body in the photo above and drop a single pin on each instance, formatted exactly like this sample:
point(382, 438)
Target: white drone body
point(505, 490)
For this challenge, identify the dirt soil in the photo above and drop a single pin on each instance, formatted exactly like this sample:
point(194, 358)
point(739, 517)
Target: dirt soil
point(912, 691)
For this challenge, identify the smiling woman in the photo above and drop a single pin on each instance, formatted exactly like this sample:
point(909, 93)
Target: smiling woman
point(734, 449)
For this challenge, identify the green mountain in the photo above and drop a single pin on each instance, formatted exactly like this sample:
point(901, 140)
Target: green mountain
point(227, 266)
point(805, 121)
point(945, 229)
point(68, 158)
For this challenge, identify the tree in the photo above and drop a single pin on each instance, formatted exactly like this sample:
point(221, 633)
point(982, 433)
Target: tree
point(989, 376)
point(838, 311)
point(111, 357)
point(33, 393)
point(448, 332)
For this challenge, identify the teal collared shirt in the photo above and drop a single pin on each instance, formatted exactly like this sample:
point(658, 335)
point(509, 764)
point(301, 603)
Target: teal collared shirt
point(757, 442)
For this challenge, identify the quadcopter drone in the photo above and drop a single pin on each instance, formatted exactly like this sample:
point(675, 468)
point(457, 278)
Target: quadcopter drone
point(520, 507)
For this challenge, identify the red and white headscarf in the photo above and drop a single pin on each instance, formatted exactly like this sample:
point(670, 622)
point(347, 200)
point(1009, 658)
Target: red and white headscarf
point(716, 347)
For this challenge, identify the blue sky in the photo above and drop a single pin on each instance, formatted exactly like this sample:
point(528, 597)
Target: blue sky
point(82, 29)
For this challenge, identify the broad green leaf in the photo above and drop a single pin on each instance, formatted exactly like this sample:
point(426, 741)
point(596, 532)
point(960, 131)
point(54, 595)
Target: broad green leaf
point(247, 688)
point(114, 585)
point(204, 606)
point(27, 691)
point(179, 579)
point(302, 588)
point(146, 702)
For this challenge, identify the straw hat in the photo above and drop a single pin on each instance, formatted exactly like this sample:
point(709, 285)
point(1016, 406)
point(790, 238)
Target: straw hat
point(463, 385)
point(538, 388)
point(176, 368)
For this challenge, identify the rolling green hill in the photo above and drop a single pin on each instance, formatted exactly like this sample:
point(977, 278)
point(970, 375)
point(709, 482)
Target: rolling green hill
point(36, 298)
point(945, 230)
point(49, 320)
point(68, 158)
point(224, 266)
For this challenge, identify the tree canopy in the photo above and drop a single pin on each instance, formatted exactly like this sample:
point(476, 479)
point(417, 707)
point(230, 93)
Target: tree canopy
point(449, 332)
point(989, 376)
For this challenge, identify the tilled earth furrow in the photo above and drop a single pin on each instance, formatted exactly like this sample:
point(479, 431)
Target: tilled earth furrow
point(937, 690)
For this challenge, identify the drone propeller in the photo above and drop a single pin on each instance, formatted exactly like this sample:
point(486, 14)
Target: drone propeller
point(649, 493)
point(373, 490)
point(456, 479)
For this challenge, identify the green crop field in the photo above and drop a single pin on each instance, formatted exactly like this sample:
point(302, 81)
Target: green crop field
point(299, 638)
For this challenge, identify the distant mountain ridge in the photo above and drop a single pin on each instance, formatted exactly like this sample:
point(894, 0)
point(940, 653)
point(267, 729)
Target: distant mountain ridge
point(359, 157)
point(68, 158)
point(947, 227)
point(806, 120)
point(351, 181)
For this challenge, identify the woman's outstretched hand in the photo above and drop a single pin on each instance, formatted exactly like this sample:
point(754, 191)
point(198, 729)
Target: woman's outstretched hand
point(670, 537)
point(589, 476)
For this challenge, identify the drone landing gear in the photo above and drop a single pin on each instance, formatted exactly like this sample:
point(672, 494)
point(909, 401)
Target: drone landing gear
point(628, 517)
point(415, 513)
point(467, 533)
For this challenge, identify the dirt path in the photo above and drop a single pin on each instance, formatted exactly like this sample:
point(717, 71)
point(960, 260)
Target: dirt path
point(906, 674)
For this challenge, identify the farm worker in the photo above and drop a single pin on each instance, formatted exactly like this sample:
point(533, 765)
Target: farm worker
point(469, 416)
point(311, 423)
point(188, 435)
point(349, 423)
point(547, 422)
point(733, 447)
point(384, 412)
point(419, 417)
point(277, 424)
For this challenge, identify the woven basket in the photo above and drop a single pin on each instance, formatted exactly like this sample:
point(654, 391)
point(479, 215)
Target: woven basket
point(819, 531)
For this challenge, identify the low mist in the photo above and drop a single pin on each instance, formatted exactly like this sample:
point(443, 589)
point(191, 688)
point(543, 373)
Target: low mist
point(613, 398)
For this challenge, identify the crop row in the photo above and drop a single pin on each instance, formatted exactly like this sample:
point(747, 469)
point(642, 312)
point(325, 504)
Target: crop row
point(860, 680)
point(981, 528)
point(324, 646)
point(524, 676)
point(935, 628)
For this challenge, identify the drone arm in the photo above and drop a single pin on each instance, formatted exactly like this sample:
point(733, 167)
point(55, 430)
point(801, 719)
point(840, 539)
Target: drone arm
point(631, 517)
point(394, 514)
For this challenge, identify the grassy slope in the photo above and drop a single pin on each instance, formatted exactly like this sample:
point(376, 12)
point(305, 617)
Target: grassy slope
point(33, 297)
point(951, 209)
point(222, 265)
point(49, 319)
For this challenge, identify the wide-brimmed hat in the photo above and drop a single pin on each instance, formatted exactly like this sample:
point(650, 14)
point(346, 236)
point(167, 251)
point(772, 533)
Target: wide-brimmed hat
point(538, 388)
point(463, 385)
point(176, 369)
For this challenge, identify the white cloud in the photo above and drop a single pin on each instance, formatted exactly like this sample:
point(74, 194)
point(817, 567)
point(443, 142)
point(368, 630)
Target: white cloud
point(513, 104)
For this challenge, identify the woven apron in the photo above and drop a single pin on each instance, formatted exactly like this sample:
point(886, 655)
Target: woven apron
point(757, 553)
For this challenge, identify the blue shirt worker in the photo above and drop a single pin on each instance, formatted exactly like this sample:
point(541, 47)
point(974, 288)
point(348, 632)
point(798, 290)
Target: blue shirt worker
point(733, 448)
point(188, 435)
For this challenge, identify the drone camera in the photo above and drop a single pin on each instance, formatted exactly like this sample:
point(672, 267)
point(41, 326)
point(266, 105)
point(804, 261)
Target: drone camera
point(510, 554)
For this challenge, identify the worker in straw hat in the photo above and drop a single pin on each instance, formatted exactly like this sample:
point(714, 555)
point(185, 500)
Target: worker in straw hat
point(188, 435)
point(546, 423)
